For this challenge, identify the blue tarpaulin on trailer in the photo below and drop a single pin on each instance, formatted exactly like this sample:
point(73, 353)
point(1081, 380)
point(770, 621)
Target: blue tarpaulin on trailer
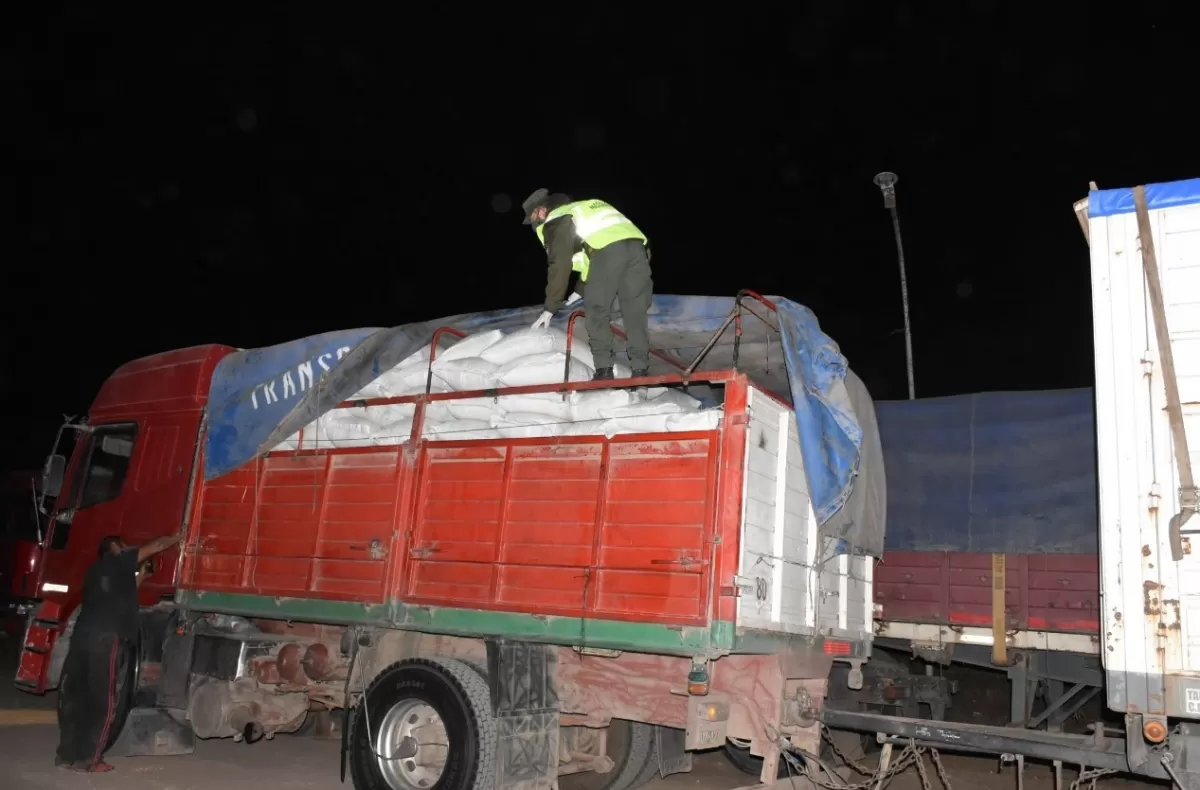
point(262, 396)
point(997, 472)
point(1109, 202)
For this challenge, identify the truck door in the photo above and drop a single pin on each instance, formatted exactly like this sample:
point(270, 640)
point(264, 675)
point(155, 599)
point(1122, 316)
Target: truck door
point(90, 507)
point(156, 492)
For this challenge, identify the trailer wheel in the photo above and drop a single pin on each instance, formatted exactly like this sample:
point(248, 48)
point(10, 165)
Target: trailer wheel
point(632, 748)
point(424, 725)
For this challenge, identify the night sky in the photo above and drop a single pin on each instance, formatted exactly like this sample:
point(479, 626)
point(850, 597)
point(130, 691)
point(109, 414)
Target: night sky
point(252, 176)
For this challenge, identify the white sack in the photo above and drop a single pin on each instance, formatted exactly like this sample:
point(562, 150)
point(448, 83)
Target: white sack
point(671, 395)
point(469, 346)
point(338, 430)
point(639, 423)
point(587, 428)
point(461, 375)
point(550, 404)
point(528, 342)
point(588, 404)
point(516, 425)
point(473, 409)
point(397, 432)
point(669, 402)
point(401, 381)
point(707, 420)
point(438, 411)
point(540, 369)
point(381, 415)
point(460, 429)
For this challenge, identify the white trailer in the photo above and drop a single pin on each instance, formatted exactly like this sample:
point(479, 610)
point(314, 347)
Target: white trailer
point(1145, 278)
point(1146, 309)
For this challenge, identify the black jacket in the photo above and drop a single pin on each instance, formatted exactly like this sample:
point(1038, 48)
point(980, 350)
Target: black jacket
point(562, 242)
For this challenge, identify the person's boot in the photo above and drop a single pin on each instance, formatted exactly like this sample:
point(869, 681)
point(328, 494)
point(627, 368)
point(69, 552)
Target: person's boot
point(603, 374)
point(639, 393)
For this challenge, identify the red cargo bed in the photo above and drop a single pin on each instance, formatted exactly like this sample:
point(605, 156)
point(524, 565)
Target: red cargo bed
point(1058, 593)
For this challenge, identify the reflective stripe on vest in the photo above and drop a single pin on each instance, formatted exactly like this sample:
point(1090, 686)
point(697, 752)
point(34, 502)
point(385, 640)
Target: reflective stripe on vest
point(597, 224)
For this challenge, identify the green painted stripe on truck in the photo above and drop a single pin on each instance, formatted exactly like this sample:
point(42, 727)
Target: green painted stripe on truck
point(609, 634)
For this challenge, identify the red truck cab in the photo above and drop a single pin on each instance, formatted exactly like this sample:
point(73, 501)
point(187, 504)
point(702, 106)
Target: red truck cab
point(131, 474)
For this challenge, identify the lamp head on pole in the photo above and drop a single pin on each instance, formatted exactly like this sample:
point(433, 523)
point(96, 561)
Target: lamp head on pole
point(886, 181)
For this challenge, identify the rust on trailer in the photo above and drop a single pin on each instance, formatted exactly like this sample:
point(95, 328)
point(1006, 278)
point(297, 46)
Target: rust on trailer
point(1171, 607)
point(1152, 598)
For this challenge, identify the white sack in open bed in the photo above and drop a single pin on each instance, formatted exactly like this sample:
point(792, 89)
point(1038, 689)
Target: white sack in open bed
point(527, 342)
point(491, 359)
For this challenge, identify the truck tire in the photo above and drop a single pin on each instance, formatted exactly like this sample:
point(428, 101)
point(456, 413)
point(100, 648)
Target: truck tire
point(650, 769)
point(450, 702)
point(634, 751)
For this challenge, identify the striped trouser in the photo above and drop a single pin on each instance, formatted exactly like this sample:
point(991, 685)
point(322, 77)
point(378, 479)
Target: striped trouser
point(88, 698)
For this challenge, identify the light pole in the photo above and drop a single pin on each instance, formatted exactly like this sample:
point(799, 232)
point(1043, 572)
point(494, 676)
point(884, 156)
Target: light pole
point(887, 185)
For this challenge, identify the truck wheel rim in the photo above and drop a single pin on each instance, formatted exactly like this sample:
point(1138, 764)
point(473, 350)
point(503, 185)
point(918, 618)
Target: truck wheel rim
point(411, 746)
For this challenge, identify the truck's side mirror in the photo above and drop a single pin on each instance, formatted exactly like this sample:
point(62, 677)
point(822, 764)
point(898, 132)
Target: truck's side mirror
point(52, 475)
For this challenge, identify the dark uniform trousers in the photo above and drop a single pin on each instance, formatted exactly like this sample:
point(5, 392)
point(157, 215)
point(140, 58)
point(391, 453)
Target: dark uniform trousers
point(88, 697)
point(620, 271)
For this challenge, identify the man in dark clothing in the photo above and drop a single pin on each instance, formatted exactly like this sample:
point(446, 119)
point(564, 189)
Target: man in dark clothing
point(106, 629)
point(611, 256)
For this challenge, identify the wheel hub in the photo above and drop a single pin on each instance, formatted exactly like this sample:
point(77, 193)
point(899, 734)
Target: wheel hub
point(411, 746)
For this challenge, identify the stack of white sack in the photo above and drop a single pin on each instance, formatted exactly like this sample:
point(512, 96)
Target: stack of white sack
point(492, 360)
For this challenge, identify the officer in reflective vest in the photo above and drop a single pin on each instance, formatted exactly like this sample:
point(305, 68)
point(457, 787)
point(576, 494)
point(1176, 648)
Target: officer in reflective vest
point(612, 258)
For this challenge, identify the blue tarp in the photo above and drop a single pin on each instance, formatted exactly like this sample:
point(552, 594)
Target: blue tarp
point(263, 396)
point(1107, 202)
point(995, 472)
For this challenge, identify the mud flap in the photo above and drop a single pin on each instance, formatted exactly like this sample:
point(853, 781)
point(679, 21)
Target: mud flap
point(178, 641)
point(673, 757)
point(150, 732)
point(522, 678)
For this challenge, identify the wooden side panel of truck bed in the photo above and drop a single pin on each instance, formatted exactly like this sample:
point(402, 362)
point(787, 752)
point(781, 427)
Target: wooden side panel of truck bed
point(1044, 592)
point(621, 529)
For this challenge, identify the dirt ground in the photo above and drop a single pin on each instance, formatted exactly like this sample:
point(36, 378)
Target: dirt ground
point(28, 736)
